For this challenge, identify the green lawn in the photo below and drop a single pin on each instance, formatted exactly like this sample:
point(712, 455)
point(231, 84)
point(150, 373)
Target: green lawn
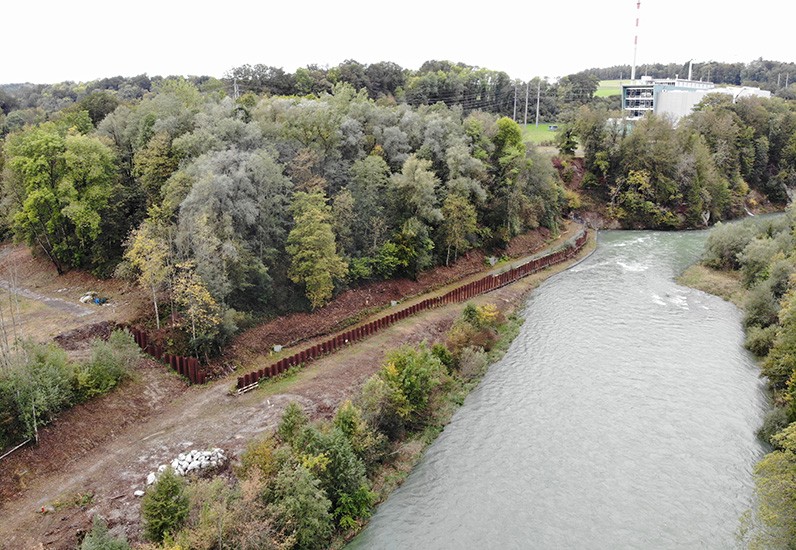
point(608, 88)
point(532, 134)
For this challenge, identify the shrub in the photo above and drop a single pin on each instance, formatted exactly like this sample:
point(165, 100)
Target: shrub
point(43, 385)
point(441, 352)
point(342, 472)
point(760, 340)
point(293, 421)
point(165, 506)
point(369, 445)
point(99, 538)
point(110, 363)
point(725, 243)
point(211, 515)
point(300, 508)
point(354, 507)
point(413, 373)
point(382, 407)
point(775, 421)
point(472, 363)
point(761, 308)
point(252, 527)
point(259, 457)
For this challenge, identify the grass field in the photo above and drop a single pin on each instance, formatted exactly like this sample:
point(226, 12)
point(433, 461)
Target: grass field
point(608, 88)
point(538, 135)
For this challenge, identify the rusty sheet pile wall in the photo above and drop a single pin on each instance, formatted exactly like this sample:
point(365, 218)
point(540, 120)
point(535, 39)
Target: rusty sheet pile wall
point(188, 367)
point(460, 294)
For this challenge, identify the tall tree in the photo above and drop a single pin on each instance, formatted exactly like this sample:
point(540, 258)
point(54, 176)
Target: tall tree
point(312, 248)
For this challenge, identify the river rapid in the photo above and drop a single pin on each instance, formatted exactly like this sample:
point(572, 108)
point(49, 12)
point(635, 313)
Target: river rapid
point(622, 416)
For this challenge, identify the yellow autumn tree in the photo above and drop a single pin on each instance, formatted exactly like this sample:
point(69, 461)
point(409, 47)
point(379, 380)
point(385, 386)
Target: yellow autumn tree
point(312, 248)
point(197, 304)
point(148, 253)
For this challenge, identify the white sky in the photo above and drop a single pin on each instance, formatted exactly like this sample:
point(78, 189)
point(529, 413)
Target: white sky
point(48, 41)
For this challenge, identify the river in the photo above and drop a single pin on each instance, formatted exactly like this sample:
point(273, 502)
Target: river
point(622, 416)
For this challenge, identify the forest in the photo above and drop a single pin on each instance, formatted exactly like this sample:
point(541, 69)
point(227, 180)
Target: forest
point(240, 198)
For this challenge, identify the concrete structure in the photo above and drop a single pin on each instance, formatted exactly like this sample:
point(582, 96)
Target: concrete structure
point(674, 97)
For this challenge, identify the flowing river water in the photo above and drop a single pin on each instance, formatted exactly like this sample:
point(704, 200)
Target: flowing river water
point(623, 416)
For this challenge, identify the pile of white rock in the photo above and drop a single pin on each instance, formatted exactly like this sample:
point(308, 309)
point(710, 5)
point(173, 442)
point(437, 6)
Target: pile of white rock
point(192, 461)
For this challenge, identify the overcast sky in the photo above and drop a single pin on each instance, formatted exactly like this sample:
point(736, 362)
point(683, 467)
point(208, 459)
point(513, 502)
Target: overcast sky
point(48, 41)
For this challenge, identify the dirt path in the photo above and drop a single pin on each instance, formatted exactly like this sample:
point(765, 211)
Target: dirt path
point(117, 463)
point(55, 303)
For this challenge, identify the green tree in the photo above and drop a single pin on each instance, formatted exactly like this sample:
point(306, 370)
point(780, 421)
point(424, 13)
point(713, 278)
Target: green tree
point(165, 506)
point(61, 184)
point(459, 225)
point(312, 249)
point(294, 419)
point(99, 538)
point(300, 508)
point(204, 313)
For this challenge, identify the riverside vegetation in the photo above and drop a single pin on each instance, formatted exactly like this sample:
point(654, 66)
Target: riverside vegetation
point(313, 484)
point(229, 209)
point(754, 263)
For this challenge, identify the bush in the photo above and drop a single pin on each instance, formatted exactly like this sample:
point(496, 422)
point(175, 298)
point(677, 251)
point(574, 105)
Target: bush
point(413, 373)
point(211, 515)
point(99, 538)
point(369, 445)
point(165, 506)
point(300, 508)
point(775, 421)
point(441, 352)
point(43, 385)
point(294, 419)
point(259, 458)
point(110, 363)
point(761, 308)
point(472, 363)
point(342, 473)
point(760, 340)
point(382, 407)
point(726, 242)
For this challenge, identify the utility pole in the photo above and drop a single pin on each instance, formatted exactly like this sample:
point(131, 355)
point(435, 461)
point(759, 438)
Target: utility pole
point(538, 88)
point(235, 93)
point(635, 42)
point(527, 85)
point(515, 102)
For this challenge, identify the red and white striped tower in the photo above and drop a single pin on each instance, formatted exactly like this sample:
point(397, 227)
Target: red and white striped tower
point(635, 42)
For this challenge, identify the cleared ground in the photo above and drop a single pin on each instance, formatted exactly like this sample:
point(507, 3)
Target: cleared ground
point(112, 444)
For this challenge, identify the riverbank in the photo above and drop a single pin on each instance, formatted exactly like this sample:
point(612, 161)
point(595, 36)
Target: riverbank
point(411, 450)
point(724, 284)
point(119, 463)
point(603, 425)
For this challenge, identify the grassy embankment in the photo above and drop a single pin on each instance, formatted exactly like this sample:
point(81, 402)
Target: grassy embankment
point(724, 284)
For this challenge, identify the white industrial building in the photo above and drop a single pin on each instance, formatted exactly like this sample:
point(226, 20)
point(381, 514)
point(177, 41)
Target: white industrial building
point(674, 98)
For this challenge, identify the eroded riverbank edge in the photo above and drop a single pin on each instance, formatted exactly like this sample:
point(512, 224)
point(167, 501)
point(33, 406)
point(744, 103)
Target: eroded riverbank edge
point(511, 300)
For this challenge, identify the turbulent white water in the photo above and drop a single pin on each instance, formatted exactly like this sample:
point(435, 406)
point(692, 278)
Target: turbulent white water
point(623, 416)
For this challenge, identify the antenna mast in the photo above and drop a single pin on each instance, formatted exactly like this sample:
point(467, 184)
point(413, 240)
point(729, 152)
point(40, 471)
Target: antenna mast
point(635, 42)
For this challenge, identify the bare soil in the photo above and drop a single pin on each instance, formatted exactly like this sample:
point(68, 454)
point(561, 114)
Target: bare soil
point(352, 305)
point(43, 304)
point(107, 447)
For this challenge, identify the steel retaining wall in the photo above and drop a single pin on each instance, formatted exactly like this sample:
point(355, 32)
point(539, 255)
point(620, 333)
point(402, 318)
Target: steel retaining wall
point(459, 294)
